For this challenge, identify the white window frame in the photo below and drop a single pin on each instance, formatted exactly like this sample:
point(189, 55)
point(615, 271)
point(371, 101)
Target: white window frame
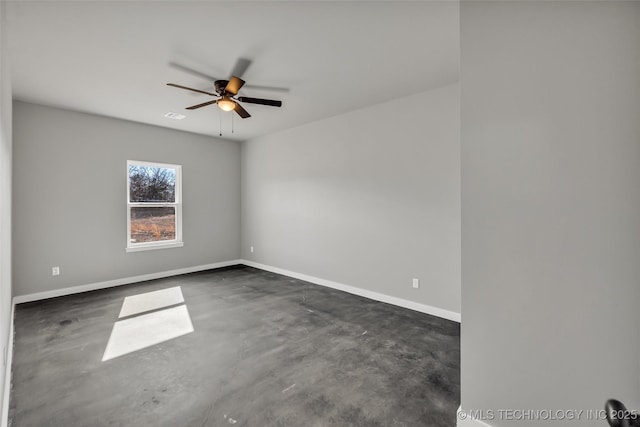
point(147, 246)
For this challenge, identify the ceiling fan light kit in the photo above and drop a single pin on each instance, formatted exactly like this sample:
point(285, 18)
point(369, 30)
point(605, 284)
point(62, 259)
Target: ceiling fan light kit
point(226, 104)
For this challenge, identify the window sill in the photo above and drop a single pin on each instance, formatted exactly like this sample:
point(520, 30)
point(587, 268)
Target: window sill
point(155, 246)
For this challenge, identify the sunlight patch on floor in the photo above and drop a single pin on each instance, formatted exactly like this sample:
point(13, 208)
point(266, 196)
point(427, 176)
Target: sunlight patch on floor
point(144, 330)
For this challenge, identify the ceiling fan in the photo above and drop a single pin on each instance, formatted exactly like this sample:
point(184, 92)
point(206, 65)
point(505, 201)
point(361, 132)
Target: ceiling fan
point(227, 91)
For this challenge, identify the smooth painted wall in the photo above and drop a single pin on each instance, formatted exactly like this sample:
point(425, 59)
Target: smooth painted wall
point(5, 202)
point(69, 195)
point(369, 199)
point(550, 207)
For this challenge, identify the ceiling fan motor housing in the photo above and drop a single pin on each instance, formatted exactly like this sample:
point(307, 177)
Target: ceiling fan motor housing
point(220, 85)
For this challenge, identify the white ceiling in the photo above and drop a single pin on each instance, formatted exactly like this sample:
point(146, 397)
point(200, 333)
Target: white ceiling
point(113, 57)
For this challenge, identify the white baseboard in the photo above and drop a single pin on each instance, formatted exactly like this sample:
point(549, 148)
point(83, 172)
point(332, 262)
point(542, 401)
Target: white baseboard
point(422, 308)
point(118, 282)
point(464, 420)
point(7, 372)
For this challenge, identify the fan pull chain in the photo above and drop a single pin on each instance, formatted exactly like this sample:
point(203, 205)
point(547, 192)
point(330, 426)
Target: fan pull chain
point(220, 117)
point(232, 122)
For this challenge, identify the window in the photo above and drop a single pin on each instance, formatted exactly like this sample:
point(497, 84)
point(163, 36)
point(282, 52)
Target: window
point(154, 206)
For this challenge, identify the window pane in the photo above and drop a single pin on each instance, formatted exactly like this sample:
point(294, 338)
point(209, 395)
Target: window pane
point(153, 224)
point(152, 184)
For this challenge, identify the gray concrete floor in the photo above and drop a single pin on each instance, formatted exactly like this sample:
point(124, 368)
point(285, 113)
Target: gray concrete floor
point(266, 350)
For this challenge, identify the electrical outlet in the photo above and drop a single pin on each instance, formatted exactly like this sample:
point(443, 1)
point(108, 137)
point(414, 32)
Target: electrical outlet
point(416, 283)
point(251, 249)
point(55, 271)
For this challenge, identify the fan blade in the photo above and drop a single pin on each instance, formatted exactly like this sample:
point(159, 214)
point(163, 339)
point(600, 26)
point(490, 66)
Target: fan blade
point(204, 104)
point(234, 85)
point(261, 101)
point(192, 71)
point(241, 67)
point(271, 88)
point(241, 111)
point(192, 89)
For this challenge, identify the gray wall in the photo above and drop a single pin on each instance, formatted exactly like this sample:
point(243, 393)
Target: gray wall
point(550, 206)
point(5, 195)
point(369, 199)
point(69, 195)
